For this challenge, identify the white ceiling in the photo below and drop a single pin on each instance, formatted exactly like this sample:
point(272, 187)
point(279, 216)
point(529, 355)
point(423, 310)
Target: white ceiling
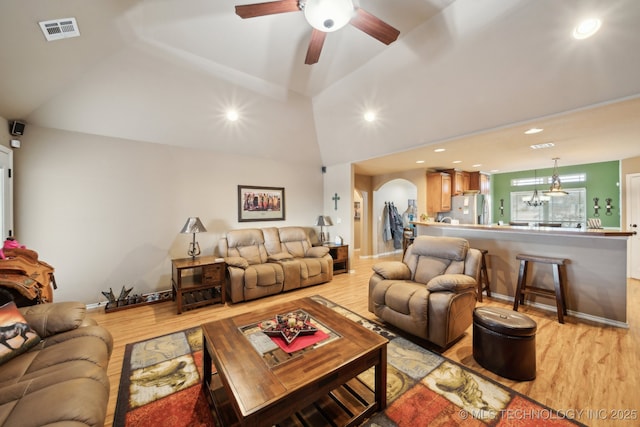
point(163, 71)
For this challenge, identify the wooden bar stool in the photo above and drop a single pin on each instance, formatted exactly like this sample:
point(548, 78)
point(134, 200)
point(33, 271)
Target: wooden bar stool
point(483, 283)
point(524, 289)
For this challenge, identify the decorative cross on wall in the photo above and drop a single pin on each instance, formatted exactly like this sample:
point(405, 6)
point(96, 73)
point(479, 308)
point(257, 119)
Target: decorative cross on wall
point(335, 198)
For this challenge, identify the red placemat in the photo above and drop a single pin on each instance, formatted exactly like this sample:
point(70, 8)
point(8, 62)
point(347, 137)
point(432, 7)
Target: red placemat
point(302, 341)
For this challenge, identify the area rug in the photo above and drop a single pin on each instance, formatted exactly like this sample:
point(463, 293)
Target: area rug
point(161, 381)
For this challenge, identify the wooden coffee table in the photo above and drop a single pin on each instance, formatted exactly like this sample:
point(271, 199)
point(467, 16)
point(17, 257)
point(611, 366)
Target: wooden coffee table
point(258, 387)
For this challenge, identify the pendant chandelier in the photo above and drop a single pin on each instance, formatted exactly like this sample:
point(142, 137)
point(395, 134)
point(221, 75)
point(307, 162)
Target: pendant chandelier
point(535, 200)
point(556, 187)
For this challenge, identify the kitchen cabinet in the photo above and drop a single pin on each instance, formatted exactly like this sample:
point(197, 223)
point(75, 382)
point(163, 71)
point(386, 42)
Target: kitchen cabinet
point(438, 192)
point(459, 181)
point(480, 182)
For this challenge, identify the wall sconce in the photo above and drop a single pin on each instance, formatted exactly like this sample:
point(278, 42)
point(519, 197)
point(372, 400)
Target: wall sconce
point(596, 207)
point(608, 207)
point(501, 207)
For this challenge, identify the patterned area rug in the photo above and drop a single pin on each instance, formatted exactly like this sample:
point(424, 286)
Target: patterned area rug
point(161, 386)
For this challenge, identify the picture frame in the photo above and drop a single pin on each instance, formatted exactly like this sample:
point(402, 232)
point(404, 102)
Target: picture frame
point(257, 203)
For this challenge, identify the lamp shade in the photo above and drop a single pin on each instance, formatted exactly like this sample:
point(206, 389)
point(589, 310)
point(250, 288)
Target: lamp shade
point(193, 225)
point(328, 15)
point(323, 221)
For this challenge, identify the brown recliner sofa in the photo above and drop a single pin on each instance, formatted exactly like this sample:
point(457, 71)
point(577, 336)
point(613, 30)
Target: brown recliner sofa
point(267, 261)
point(432, 292)
point(62, 381)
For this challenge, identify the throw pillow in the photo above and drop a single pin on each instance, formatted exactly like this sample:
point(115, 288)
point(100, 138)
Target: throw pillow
point(16, 336)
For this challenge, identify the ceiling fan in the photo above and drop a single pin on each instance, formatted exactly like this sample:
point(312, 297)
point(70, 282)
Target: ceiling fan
point(324, 16)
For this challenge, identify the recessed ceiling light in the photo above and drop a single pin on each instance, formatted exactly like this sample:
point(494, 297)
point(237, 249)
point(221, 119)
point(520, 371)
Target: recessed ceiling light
point(494, 170)
point(369, 116)
point(420, 162)
point(232, 115)
point(586, 28)
point(543, 145)
point(477, 165)
point(533, 130)
point(457, 161)
point(439, 150)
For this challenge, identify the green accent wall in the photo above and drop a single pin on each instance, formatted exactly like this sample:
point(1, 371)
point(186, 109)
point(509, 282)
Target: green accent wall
point(603, 181)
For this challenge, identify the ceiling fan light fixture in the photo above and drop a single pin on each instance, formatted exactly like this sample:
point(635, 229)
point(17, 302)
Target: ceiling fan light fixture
point(328, 15)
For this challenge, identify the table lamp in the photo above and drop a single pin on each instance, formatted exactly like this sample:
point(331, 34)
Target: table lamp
point(323, 221)
point(193, 225)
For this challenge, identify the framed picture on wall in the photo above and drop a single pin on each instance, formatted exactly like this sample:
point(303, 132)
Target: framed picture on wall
point(356, 210)
point(257, 203)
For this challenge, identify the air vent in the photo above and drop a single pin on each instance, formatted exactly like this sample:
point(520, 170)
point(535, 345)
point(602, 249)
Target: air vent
point(60, 29)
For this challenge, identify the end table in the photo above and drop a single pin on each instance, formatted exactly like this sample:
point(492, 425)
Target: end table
point(205, 285)
point(340, 255)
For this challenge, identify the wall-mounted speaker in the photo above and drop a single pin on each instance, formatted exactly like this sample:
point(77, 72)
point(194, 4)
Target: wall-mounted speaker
point(16, 128)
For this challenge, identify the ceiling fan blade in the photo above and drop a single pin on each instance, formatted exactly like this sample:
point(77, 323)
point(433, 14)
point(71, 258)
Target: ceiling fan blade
point(315, 46)
point(375, 27)
point(269, 8)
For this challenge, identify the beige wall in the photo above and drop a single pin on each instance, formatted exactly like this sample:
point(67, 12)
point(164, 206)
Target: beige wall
point(363, 184)
point(628, 166)
point(5, 136)
point(107, 212)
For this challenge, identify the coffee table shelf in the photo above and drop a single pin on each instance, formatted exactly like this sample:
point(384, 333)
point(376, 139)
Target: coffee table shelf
point(336, 407)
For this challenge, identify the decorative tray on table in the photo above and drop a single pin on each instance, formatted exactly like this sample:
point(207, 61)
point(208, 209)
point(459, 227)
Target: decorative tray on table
point(289, 326)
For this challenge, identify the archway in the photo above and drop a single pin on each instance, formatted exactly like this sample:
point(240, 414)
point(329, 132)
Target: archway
point(397, 193)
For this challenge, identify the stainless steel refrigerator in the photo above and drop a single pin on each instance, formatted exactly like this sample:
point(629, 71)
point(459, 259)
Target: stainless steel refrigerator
point(471, 209)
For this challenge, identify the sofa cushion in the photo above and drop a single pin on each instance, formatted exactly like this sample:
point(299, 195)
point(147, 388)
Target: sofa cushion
point(429, 257)
point(451, 283)
point(78, 400)
point(310, 267)
point(16, 336)
point(295, 241)
point(392, 270)
point(451, 248)
point(236, 261)
point(427, 268)
point(317, 252)
point(251, 254)
point(248, 244)
point(281, 256)
point(263, 275)
point(51, 319)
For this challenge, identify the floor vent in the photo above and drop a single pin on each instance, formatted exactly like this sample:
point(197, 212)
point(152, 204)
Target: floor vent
point(60, 29)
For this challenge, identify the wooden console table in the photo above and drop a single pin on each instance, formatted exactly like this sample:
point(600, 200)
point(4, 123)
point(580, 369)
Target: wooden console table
point(206, 284)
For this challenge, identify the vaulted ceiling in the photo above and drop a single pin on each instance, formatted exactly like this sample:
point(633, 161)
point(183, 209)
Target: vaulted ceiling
point(471, 75)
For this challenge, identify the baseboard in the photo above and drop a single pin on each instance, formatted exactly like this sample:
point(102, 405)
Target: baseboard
point(576, 314)
point(384, 254)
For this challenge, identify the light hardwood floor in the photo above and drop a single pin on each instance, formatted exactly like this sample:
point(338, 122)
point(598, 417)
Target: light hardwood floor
point(581, 366)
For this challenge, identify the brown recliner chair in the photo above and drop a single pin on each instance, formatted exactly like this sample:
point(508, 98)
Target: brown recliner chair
point(432, 292)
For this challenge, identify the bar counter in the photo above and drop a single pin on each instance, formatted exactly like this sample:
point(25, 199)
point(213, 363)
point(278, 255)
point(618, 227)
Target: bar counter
point(596, 271)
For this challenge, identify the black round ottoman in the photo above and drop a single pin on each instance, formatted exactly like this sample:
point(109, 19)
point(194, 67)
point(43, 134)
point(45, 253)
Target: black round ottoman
point(504, 342)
